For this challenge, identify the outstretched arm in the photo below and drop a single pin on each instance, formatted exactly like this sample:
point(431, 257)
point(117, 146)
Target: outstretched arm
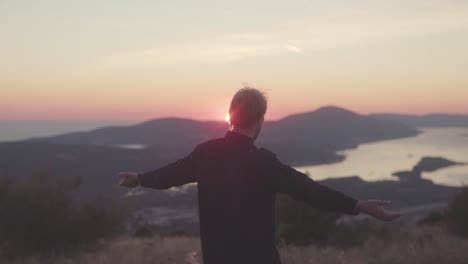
point(300, 187)
point(175, 174)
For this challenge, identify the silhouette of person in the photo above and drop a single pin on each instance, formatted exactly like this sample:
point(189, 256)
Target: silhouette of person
point(237, 183)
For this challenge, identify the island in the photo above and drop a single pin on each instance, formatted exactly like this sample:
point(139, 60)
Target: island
point(426, 164)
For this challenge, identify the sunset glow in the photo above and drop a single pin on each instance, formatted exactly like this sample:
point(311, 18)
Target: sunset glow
point(228, 118)
point(152, 59)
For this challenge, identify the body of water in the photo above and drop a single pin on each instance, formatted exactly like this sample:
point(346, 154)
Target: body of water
point(371, 162)
point(19, 130)
point(377, 161)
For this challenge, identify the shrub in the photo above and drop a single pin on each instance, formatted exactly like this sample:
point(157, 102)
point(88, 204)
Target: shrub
point(143, 231)
point(300, 224)
point(350, 234)
point(432, 218)
point(457, 213)
point(40, 216)
point(356, 233)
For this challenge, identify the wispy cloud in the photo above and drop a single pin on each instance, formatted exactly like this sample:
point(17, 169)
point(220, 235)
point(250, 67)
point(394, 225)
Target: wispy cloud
point(226, 48)
point(335, 29)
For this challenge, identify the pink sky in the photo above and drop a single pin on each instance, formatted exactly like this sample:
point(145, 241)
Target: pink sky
point(198, 111)
point(137, 60)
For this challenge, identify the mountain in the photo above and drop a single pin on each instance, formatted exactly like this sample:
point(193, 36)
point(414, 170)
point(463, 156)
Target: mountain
point(327, 130)
point(95, 166)
point(431, 120)
point(311, 137)
point(164, 133)
point(302, 139)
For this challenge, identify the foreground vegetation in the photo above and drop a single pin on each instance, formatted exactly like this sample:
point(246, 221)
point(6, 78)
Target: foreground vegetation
point(424, 244)
point(41, 222)
point(41, 216)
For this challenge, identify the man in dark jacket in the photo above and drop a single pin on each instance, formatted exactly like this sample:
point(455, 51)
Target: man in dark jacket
point(237, 183)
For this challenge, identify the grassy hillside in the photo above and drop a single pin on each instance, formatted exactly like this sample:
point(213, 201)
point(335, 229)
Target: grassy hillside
point(407, 245)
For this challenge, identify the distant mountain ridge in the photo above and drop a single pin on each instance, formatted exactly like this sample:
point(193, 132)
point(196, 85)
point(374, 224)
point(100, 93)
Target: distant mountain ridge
point(430, 120)
point(301, 139)
point(164, 133)
point(297, 137)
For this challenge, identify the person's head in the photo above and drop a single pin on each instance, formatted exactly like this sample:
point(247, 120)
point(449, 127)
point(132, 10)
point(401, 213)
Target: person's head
point(247, 111)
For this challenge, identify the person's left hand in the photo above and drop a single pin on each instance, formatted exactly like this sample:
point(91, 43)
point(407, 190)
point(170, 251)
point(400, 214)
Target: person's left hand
point(375, 209)
point(128, 179)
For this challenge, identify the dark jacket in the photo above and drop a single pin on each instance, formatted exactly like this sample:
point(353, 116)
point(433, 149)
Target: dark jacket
point(237, 183)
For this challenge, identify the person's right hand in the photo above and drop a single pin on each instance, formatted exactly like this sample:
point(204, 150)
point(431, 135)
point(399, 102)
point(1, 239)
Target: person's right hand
point(128, 179)
point(375, 209)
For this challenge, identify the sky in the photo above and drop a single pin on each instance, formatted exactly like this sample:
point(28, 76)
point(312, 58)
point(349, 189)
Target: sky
point(137, 60)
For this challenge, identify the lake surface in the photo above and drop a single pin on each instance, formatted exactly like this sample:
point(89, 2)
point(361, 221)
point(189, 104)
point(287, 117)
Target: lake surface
point(19, 130)
point(377, 161)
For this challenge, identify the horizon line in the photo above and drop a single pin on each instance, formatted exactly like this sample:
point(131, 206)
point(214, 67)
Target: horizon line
point(221, 119)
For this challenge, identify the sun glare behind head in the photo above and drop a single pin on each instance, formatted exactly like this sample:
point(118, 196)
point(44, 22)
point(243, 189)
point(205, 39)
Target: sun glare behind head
point(227, 118)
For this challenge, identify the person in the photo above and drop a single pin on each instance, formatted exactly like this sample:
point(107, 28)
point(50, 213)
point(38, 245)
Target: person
point(237, 183)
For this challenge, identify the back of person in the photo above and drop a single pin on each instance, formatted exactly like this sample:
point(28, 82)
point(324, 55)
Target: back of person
point(237, 183)
point(236, 202)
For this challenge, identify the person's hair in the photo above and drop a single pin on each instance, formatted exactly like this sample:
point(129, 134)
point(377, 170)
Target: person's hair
point(247, 107)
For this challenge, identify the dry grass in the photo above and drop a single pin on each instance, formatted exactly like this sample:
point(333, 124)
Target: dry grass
point(420, 245)
point(428, 245)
